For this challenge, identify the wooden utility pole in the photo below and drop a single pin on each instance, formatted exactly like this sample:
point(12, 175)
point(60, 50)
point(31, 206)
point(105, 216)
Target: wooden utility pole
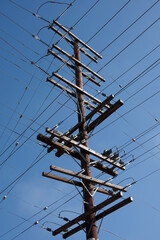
point(91, 226)
point(77, 145)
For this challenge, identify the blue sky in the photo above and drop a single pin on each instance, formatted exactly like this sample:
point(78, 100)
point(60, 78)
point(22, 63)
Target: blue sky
point(130, 66)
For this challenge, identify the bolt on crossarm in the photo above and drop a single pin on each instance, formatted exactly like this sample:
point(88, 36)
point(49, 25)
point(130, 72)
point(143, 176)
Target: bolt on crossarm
point(91, 226)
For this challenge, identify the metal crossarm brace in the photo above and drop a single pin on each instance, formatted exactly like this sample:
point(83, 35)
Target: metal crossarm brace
point(84, 215)
point(81, 146)
point(73, 67)
point(85, 177)
point(99, 216)
point(76, 38)
point(75, 154)
point(76, 183)
point(71, 42)
point(77, 61)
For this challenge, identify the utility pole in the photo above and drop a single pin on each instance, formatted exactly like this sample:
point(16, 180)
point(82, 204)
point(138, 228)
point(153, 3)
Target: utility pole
point(77, 145)
point(91, 226)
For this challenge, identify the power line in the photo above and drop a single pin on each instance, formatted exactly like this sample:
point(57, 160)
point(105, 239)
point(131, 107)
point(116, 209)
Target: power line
point(6, 16)
point(114, 234)
point(153, 95)
point(129, 26)
point(85, 14)
point(37, 213)
point(21, 175)
point(134, 139)
point(130, 83)
point(46, 215)
point(121, 75)
point(142, 88)
point(151, 25)
point(144, 159)
point(153, 65)
point(33, 132)
point(109, 20)
point(141, 144)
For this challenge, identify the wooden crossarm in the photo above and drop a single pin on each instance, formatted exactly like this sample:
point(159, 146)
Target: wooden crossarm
point(82, 147)
point(75, 154)
point(99, 216)
point(84, 215)
point(85, 177)
point(76, 183)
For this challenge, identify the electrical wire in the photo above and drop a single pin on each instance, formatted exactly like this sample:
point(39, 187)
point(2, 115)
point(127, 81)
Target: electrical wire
point(126, 71)
point(61, 3)
point(151, 25)
point(148, 69)
point(109, 21)
point(30, 125)
point(51, 212)
point(140, 75)
point(21, 175)
point(134, 139)
point(129, 26)
point(85, 14)
point(116, 235)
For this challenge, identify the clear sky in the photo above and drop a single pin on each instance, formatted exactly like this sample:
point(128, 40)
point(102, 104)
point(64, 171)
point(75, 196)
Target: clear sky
point(126, 33)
